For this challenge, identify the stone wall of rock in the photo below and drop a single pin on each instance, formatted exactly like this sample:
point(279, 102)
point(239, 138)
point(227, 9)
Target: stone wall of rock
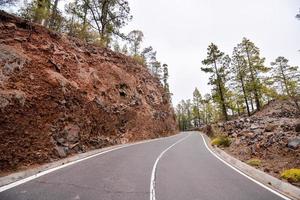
point(60, 96)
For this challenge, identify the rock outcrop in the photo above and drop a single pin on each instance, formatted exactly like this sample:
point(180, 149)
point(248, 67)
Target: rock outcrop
point(60, 96)
point(271, 135)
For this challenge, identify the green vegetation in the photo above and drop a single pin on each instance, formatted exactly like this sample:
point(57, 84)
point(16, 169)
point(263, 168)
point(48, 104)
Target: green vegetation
point(292, 175)
point(217, 65)
point(254, 162)
point(221, 141)
point(241, 84)
point(285, 78)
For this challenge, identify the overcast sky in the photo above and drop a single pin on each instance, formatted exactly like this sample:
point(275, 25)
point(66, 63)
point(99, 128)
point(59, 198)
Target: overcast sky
point(180, 31)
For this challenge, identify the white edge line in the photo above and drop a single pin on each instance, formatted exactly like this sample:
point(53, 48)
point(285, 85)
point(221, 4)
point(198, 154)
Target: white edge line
point(14, 184)
point(242, 173)
point(153, 174)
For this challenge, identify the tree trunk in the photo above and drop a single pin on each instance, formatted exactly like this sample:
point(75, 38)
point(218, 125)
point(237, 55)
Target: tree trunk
point(245, 96)
point(53, 15)
point(285, 81)
point(84, 26)
point(238, 109)
point(254, 84)
point(224, 109)
point(251, 102)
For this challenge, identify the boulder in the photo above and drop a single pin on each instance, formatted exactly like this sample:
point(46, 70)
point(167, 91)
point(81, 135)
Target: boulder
point(72, 133)
point(270, 127)
point(294, 143)
point(61, 151)
point(254, 127)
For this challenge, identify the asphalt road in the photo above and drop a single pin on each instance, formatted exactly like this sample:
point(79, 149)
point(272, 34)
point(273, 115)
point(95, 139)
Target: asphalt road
point(174, 168)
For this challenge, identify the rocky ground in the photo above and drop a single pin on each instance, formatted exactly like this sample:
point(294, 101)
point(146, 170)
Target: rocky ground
point(60, 96)
point(271, 135)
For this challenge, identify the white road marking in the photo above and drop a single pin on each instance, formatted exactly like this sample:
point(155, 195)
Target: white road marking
point(14, 184)
point(242, 173)
point(153, 174)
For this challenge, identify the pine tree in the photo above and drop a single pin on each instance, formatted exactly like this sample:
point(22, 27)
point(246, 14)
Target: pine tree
point(268, 90)
point(208, 109)
point(156, 68)
point(135, 38)
point(180, 117)
point(108, 17)
point(184, 115)
point(116, 47)
point(217, 65)
point(239, 71)
point(79, 25)
point(125, 49)
point(286, 77)
point(165, 78)
point(54, 17)
point(255, 65)
point(188, 110)
point(37, 11)
point(197, 102)
point(149, 55)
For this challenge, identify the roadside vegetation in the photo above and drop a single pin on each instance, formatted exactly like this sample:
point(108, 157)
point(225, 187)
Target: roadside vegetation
point(221, 141)
point(255, 162)
point(292, 175)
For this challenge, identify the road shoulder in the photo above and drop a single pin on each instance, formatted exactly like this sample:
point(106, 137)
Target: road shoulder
point(38, 171)
point(267, 180)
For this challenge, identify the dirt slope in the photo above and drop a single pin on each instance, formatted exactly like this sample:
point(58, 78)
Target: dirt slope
point(60, 96)
point(271, 135)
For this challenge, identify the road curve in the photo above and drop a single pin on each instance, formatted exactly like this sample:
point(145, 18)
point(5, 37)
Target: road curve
point(174, 168)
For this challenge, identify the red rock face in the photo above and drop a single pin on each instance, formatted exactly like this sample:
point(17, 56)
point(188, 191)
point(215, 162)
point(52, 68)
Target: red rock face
point(59, 96)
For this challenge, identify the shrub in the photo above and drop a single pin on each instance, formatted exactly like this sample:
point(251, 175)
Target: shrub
point(292, 175)
point(254, 162)
point(222, 141)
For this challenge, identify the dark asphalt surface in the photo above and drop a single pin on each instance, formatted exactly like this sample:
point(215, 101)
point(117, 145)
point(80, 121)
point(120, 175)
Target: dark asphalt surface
point(188, 171)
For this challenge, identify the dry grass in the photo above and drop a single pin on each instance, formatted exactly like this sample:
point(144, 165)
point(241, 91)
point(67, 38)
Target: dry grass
point(254, 162)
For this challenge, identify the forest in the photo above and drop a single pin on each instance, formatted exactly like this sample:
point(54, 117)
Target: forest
point(241, 85)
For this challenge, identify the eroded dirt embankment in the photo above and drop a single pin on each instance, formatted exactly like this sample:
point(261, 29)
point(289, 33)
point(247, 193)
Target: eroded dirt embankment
point(60, 96)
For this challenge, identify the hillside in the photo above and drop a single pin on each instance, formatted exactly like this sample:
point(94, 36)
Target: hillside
point(271, 135)
point(60, 96)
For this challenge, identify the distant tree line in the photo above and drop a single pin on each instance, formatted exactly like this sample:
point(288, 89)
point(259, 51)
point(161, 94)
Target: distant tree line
point(241, 85)
point(98, 22)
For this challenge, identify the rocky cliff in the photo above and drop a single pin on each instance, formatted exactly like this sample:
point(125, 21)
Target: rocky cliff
point(60, 96)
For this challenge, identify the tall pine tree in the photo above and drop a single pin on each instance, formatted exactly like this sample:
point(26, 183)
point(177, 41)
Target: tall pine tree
point(217, 65)
point(255, 65)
